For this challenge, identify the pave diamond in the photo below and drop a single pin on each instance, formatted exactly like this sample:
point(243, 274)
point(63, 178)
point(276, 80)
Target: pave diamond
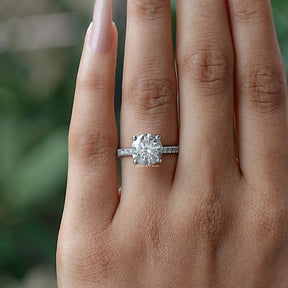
point(147, 149)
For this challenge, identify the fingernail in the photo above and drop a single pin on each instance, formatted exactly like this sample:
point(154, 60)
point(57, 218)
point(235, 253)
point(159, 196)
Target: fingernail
point(101, 37)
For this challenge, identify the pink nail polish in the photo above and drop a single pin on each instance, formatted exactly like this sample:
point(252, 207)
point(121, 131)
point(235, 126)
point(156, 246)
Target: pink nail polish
point(101, 37)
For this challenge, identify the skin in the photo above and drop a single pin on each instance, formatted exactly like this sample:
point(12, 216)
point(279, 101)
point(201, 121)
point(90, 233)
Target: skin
point(205, 218)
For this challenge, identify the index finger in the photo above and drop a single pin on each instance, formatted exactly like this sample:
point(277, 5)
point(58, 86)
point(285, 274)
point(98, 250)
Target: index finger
point(92, 191)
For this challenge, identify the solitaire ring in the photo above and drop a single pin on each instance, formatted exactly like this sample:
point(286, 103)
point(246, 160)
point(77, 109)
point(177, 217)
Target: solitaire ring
point(147, 149)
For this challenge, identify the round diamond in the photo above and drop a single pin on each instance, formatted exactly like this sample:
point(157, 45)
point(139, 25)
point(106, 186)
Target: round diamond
point(147, 149)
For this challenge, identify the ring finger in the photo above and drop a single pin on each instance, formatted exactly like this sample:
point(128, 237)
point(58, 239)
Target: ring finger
point(149, 103)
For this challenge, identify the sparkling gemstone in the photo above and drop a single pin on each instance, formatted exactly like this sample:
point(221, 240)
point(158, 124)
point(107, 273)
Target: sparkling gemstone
point(147, 149)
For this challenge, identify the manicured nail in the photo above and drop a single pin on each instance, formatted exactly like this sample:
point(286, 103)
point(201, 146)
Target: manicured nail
point(101, 37)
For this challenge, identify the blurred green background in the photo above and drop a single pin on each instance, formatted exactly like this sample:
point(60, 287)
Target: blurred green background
point(40, 47)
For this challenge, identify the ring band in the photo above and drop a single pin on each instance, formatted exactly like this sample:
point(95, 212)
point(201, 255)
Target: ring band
point(147, 149)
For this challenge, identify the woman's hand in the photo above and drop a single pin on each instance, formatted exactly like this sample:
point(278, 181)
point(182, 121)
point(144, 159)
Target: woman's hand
point(203, 218)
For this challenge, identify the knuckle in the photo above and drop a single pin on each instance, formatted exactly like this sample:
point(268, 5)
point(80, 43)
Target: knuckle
point(151, 97)
point(265, 89)
point(207, 68)
point(91, 83)
point(92, 258)
point(269, 222)
point(153, 231)
point(209, 216)
point(246, 10)
point(148, 228)
point(150, 9)
point(91, 145)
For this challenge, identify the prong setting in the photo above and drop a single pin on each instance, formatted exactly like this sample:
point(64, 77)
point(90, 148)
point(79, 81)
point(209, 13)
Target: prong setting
point(147, 150)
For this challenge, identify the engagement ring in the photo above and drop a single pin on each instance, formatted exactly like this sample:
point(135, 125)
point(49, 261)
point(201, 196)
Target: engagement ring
point(147, 149)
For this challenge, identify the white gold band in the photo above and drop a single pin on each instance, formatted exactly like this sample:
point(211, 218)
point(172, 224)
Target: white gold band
point(147, 150)
point(165, 150)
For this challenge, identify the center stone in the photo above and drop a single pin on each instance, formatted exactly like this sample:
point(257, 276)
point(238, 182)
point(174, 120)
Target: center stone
point(147, 149)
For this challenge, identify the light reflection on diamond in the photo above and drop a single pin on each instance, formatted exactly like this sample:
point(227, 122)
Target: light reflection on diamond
point(147, 149)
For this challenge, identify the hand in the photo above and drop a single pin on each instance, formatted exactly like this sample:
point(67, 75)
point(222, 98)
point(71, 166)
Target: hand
point(203, 218)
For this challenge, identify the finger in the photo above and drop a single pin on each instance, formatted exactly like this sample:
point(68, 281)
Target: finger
point(149, 103)
point(92, 192)
point(205, 68)
point(261, 91)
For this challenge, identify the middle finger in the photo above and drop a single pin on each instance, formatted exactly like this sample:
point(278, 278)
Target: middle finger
point(205, 66)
